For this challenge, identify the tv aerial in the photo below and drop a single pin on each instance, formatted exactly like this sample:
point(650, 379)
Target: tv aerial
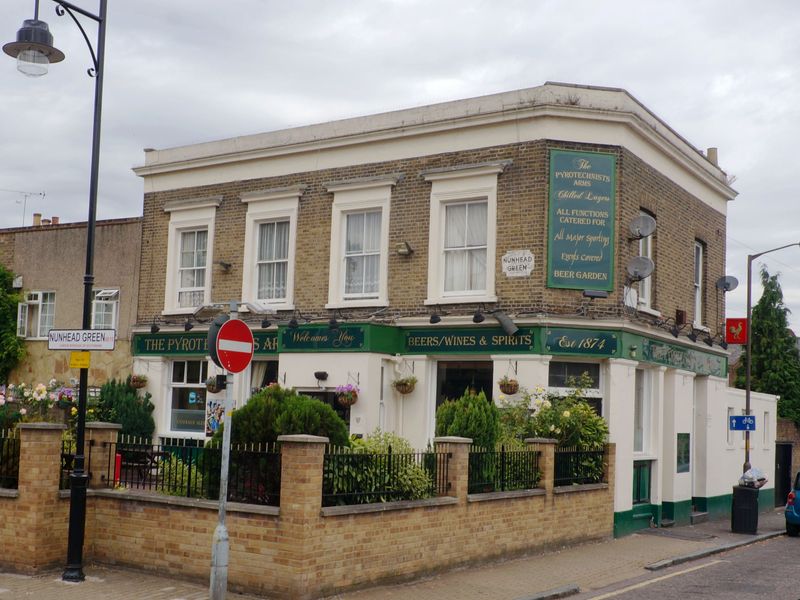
point(642, 226)
point(639, 267)
point(727, 283)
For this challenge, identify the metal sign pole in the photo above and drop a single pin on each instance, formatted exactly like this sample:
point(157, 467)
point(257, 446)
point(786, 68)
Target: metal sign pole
point(220, 548)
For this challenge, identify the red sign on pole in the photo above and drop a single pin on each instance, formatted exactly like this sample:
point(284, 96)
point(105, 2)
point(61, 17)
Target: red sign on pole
point(235, 345)
point(736, 331)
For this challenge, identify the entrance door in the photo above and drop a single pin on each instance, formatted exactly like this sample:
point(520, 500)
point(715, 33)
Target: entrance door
point(455, 377)
point(783, 472)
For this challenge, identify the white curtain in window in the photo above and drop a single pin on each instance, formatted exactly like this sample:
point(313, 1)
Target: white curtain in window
point(273, 264)
point(465, 246)
point(362, 253)
point(258, 369)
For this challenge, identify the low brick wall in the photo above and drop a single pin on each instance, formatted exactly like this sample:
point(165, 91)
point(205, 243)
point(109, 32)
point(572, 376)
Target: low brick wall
point(302, 550)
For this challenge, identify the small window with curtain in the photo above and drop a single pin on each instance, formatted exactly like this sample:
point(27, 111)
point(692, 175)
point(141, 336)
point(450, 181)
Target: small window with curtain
point(273, 260)
point(362, 254)
point(192, 268)
point(465, 238)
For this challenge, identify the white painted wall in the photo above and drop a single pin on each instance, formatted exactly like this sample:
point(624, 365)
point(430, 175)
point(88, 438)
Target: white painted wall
point(618, 397)
point(678, 418)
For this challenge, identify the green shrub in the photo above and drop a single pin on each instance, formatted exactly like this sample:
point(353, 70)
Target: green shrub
point(276, 411)
point(569, 419)
point(177, 476)
point(120, 403)
point(471, 416)
point(372, 478)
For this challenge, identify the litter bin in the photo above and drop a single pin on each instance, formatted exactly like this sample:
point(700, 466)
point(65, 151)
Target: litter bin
point(744, 513)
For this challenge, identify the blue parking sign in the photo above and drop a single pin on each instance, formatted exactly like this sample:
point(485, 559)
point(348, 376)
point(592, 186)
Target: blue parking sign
point(743, 423)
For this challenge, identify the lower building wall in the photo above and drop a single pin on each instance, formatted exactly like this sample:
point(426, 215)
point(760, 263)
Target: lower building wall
point(299, 550)
point(41, 365)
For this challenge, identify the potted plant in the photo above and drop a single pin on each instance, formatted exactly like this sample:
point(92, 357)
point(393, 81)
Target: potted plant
point(138, 381)
point(347, 394)
point(508, 386)
point(212, 385)
point(405, 385)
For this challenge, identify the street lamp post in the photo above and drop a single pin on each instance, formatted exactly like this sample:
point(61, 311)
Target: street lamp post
point(750, 259)
point(34, 52)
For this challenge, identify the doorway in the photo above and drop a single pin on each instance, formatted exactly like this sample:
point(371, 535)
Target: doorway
point(453, 378)
point(783, 472)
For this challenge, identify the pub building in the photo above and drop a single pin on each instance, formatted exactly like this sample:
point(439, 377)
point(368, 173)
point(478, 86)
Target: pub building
point(537, 234)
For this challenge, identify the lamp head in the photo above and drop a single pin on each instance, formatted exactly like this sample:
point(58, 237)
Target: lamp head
point(435, 318)
point(34, 48)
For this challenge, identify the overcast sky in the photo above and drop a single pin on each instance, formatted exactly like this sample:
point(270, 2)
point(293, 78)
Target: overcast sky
point(722, 73)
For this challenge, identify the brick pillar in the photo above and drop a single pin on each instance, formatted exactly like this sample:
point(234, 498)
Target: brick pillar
point(301, 502)
point(547, 460)
point(458, 466)
point(100, 463)
point(40, 516)
point(610, 464)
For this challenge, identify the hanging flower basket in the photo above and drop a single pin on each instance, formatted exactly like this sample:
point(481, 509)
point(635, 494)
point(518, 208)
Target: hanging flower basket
point(347, 395)
point(138, 381)
point(347, 399)
point(405, 385)
point(212, 387)
point(508, 386)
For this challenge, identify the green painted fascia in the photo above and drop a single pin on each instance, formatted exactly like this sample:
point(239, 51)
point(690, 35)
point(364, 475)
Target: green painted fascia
point(632, 344)
point(679, 512)
point(639, 517)
point(766, 500)
point(715, 506)
point(378, 339)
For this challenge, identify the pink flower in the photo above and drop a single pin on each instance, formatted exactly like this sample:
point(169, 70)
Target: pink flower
point(23, 411)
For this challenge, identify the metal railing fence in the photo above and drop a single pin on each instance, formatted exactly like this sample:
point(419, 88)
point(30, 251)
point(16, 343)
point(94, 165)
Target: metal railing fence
point(180, 469)
point(362, 478)
point(575, 465)
point(9, 459)
point(503, 470)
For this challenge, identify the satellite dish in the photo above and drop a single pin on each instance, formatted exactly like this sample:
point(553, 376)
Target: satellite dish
point(642, 226)
point(727, 283)
point(640, 267)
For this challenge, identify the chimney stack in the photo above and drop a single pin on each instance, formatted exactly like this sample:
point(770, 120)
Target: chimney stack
point(54, 220)
point(37, 219)
point(45, 222)
point(711, 154)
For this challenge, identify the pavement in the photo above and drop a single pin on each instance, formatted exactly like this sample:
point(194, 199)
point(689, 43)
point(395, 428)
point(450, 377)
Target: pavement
point(554, 574)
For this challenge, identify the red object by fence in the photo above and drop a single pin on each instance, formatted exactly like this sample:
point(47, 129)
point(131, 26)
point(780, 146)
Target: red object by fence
point(117, 468)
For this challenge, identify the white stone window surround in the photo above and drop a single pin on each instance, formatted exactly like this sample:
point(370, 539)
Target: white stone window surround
point(265, 206)
point(457, 185)
point(357, 196)
point(188, 215)
point(699, 282)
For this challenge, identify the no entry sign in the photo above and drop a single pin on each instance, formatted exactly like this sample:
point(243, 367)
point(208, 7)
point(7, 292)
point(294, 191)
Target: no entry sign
point(235, 345)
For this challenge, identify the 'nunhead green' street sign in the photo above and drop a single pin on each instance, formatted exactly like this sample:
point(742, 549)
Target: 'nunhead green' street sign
point(580, 250)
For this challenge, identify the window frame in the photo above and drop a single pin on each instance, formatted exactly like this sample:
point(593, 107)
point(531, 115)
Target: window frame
point(172, 385)
point(353, 197)
point(269, 206)
point(39, 303)
point(645, 288)
point(463, 184)
point(186, 216)
point(113, 301)
point(698, 274)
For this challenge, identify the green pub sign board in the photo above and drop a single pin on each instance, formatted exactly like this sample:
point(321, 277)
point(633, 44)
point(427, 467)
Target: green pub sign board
point(468, 340)
point(194, 343)
point(346, 338)
point(580, 249)
point(581, 341)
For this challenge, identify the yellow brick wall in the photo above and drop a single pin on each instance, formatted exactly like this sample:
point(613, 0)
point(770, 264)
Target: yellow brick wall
point(301, 550)
point(522, 223)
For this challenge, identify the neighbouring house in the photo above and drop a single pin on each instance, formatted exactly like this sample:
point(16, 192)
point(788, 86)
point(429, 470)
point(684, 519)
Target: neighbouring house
point(48, 260)
point(537, 234)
